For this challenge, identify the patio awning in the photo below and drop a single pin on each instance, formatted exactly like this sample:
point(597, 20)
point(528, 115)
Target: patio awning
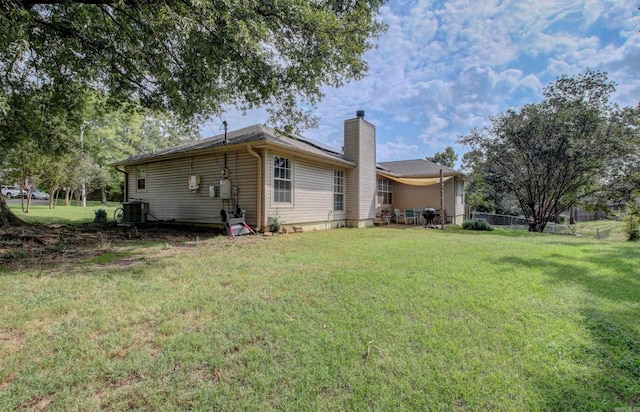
point(415, 181)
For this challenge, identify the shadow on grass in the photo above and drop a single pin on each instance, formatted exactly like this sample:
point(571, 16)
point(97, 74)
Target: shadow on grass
point(610, 313)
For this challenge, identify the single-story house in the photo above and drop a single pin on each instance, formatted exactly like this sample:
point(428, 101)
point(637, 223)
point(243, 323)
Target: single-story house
point(268, 173)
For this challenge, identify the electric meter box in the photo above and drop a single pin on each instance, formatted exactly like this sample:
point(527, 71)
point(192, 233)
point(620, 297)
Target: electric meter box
point(225, 189)
point(194, 182)
point(214, 191)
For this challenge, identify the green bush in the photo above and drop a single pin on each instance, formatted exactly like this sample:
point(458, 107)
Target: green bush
point(101, 216)
point(632, 223)
point(276, 222)
point(477, 225)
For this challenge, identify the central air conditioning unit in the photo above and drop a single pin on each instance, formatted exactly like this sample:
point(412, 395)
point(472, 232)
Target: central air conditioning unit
point(135, 212)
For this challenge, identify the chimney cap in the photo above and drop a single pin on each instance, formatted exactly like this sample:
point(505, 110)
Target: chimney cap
point(360, 114)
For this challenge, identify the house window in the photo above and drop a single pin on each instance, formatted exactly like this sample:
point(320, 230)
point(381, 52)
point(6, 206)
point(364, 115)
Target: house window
point(385, 191)
point(338, 190)
point(141, 174)
point(281, 179)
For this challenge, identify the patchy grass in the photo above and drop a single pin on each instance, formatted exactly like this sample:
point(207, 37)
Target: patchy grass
point(61, 214)
point(602, 229)
point(375, 319)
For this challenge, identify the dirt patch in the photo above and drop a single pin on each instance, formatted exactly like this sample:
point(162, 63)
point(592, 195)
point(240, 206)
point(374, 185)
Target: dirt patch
point(37, 402)
point(12, 342)
point(37, 246)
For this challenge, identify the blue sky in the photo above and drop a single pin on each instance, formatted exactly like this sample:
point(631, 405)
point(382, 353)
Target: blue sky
point(445, 67)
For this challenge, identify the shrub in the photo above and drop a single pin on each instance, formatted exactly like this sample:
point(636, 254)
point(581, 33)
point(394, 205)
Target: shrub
point(276, 222)
point(477, 225)
point(101, 216)
point(631, 226)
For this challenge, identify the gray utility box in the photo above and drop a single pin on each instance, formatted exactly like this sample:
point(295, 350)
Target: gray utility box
point(135, 212)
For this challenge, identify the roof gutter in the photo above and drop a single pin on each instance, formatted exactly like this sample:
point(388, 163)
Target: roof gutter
point(260, 213)
point(257, 144)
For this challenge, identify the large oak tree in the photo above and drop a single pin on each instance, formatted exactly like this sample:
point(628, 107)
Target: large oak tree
point(191, 58)
point(553, 154)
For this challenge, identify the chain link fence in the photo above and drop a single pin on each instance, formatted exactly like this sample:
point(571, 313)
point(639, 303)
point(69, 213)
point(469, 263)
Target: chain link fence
point(588, 227)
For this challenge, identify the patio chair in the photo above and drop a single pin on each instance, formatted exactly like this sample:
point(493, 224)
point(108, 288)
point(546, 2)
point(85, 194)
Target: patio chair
point(398, 215)
point(409, 215)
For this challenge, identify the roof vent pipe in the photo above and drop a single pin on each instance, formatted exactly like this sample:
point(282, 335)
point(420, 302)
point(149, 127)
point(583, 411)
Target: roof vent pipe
point(360, 114)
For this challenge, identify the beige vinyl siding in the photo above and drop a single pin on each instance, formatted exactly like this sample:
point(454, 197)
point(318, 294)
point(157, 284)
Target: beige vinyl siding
point(459, 185)
point(368, 179)
point(169, 197)
point(361, 182)
point(351, 150)
point(312, 193)
point(420, 197)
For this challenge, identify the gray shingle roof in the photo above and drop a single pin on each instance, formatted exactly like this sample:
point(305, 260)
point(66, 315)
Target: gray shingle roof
point(249, 134)
point(416, 168)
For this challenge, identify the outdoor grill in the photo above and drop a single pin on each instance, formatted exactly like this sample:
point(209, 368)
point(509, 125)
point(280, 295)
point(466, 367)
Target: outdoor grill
point(429, 214)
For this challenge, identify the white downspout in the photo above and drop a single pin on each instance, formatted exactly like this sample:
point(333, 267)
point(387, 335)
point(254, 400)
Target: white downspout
point(259, 187)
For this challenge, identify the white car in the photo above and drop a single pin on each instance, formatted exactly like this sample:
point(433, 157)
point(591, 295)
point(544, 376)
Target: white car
point(38, 194)
point(11, 191)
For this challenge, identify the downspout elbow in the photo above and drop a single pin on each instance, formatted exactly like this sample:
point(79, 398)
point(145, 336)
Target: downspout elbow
point(259, 213)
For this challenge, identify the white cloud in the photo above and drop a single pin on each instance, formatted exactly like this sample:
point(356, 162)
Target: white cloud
point(395, 150)
point(444, 67)
point(436, 125)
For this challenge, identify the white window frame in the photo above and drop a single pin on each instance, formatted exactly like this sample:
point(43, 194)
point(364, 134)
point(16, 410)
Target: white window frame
point(281, 177)
point(338, 190)
point(141, 170)
point(385, 191)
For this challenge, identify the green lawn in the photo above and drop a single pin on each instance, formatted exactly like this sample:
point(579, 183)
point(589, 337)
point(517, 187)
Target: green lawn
point(74, 214)
point(370, 319)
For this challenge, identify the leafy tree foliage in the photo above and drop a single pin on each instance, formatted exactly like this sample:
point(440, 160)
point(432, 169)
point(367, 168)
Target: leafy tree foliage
point(553, 154)
point(37, 126)
point(44, 146)
point(447, 158)
point(190, 57)
point(480, 195)
point(623, 175)
point(118, 134)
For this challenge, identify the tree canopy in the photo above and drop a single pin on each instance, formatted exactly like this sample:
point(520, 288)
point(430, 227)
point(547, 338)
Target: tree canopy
point(553, 154)
point(447, 158)
point(193, 58)
point(184, 59)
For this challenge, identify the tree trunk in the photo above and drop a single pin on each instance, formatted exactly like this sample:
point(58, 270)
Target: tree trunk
point(22, 199)
point(67, 197)
point(536, 224)
point(103, 194)
point(54, 196)
point(7, 217)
